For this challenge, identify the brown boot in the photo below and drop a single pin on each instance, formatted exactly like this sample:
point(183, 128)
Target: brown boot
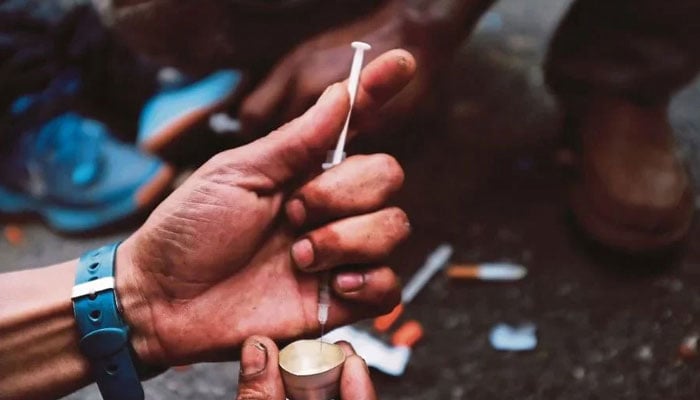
point(634, 193)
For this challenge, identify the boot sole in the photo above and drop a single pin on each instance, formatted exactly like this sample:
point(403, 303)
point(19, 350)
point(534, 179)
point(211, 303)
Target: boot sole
point(622, 238)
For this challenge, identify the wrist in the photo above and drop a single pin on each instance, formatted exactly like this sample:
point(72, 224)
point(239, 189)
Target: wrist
point(135, 303)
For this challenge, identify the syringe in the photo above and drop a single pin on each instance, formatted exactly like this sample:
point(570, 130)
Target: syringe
point(335, 157)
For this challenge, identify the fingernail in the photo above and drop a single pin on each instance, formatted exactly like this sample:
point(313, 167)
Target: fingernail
point(253, 359)
point(303, 253)
point(296, 212)
point(350, 281)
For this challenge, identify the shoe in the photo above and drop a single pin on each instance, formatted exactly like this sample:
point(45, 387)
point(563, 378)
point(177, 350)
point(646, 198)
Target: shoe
point(75, 175)
point(634, 194)
point(172, 112)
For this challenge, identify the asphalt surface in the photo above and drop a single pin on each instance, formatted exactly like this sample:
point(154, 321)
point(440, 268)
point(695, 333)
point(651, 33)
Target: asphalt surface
point(483, 175)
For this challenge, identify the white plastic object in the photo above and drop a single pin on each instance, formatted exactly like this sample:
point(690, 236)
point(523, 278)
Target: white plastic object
point(338, 157)
point(221, 123)
point(388, 359)
point(435, 262)
point(501, 271)
point(329, 160)
point(353, 84)
point(513, 338)
point(324, 299)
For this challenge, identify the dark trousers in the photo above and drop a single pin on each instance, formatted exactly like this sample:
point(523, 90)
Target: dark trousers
point(643, 50)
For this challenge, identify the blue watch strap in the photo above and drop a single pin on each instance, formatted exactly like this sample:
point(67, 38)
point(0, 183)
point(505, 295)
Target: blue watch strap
point(104, 337)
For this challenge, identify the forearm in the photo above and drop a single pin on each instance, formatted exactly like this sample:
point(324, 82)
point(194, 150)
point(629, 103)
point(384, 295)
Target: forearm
point(39, 355)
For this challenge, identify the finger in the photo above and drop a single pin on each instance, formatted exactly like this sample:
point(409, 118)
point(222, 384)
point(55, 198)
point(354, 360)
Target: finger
point(298, 146)
point(260, 107)
point(356, 240)
point(379, 293)
point(359, 184)
point(380, 81)
point(300, 101)
point(355, 382)
point(301, 144)
point(347, 348)
point(313, 78)
point(260, 376)
point(376, 286)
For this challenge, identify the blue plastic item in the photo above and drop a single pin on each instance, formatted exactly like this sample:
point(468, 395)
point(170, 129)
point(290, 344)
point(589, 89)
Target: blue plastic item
point(104, 336)
point(72, 172)
point(172, 111)
point(513, 338)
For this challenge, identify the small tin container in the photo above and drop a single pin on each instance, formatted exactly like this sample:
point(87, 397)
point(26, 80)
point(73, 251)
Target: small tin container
point(311, 371)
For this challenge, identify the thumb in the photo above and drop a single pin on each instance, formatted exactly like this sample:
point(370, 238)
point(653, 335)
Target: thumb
point(260, 375)
point(355, 382)
point(301, 144)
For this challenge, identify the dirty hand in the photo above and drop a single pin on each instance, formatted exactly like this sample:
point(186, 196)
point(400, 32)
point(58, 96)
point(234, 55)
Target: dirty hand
point(261, 379)
point(303, 73)
point(231, 252)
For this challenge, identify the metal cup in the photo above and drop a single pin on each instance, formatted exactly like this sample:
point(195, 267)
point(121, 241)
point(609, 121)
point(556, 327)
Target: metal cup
point(311, 371)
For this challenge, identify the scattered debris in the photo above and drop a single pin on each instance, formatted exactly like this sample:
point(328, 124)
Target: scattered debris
point(673, 285)
point(490, 23)
point(377, 354)
point(169, 77)
point(14, 235)
point(513, 338)
point(487, 271)
point(522, 43)
point(435, 262)
point(408, 334)
point(221, 123)
point(689, 347)
point(644, 353)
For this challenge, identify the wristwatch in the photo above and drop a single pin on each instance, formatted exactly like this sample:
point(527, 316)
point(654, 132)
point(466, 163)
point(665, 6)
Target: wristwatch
point(104, 336)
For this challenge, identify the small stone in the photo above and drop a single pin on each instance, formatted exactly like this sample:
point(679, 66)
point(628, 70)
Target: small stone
point(645, 354)
point(564, 290)
point(457, 392)
point(578, 373)
point(618, 379)
point(689, 347)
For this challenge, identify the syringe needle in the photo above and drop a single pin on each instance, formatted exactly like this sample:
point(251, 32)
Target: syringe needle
point(324, 302)
point(336, 158)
